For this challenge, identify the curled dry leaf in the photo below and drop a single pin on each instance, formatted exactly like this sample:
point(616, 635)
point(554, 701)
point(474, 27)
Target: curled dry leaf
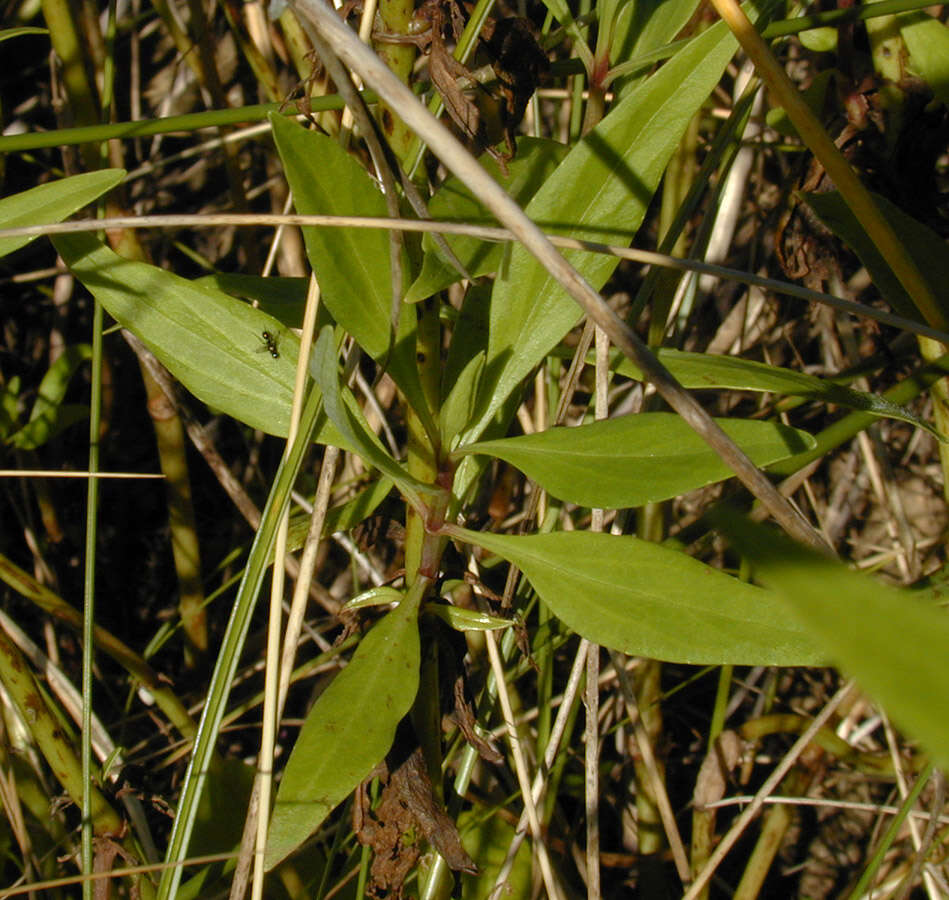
point(407, 813)
point(713, 775)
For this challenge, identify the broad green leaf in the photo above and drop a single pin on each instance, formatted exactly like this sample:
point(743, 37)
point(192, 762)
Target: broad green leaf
point(453, 202)
point(210, 342)
point(890, 640)
point(282, 298)
point(924, 246)
point(648, 600)
point(927, 40)
point(351, 424)
point(348, 731)
point(351, 264)
point(600, 192)
point(52, 202)
point(637, 459)
point(701, 370)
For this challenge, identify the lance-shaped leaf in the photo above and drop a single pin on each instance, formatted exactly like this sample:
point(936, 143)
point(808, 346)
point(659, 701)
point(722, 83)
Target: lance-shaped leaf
point(636, 459)
point(703, 370)
point(454, 202)
point(52, 202)
point(600, 192)
point(890, 640)
point(209, 341)
point(648, 600)
point(348, 731)
point(352, 425)
point(352, 264)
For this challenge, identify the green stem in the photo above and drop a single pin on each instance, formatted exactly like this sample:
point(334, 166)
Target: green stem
point(396, 17)
point(83, 106)
point(89, 594)
point(422, 455)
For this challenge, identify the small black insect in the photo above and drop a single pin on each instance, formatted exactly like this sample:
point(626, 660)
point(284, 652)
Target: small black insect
point(270, 344)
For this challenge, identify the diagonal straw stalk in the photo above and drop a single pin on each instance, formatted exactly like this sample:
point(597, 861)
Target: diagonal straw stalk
point(374, 73)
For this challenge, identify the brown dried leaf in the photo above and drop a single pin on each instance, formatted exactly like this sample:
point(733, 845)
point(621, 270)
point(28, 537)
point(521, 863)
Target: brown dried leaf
point(407, 813)
point(713, 775)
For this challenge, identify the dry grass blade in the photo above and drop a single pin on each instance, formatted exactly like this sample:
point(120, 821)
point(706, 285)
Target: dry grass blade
point(773, 780)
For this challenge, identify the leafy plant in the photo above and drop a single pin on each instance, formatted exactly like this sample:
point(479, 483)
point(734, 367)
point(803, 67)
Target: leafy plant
point(424, 377)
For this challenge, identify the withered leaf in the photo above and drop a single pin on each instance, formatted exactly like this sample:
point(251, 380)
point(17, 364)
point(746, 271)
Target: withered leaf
point(407, 813)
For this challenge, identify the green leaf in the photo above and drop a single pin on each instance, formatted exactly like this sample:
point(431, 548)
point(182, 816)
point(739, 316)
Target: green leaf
point(351, 264)
point(642, 27)
point(453, 202)
point(819, 40)
point(637, 459)
point(52, 202)
point(702, 370)
point(351, 424)
point(927, 40)
point(377, 596)
point(600, 192)
point(348, 731)
point(50, 415)
point(210, 342)
point(890, 640)
point(340, 518)
point(282, 298)
point(458, 406)
point(924, 246)
point(647, 600)
point(467, 619)
point(487, 835)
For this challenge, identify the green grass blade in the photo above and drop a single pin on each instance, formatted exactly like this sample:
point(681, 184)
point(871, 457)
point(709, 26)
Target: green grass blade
point(231, 646)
